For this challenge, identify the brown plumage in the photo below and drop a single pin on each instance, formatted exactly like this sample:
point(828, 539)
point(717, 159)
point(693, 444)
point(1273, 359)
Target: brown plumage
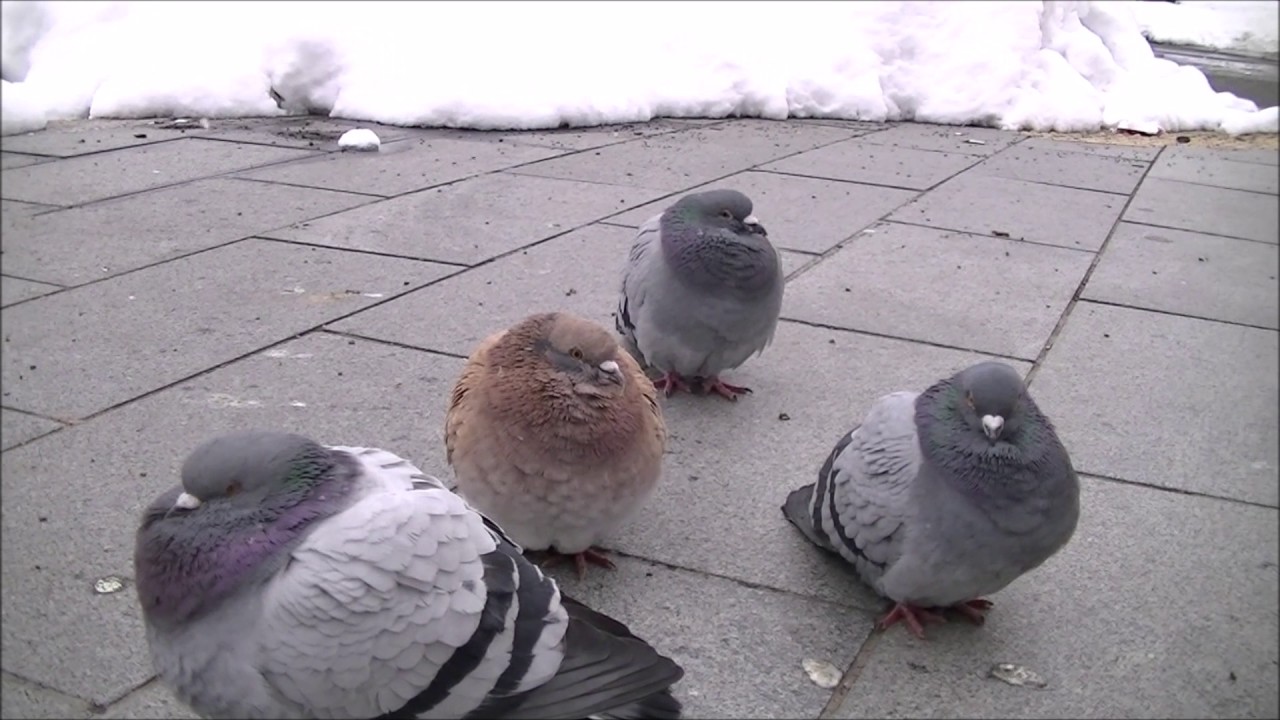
point(555, 432)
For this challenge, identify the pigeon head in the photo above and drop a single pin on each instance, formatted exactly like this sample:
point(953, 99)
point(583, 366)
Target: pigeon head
point(993, 396)
point(726, 209)
point(243, 468)
point(584, 353)
point(245, 498)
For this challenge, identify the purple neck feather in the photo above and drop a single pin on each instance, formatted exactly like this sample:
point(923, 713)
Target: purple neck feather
point(187, 565)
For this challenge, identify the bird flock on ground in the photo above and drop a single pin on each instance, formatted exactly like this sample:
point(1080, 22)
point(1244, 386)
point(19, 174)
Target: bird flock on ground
point(284, 578)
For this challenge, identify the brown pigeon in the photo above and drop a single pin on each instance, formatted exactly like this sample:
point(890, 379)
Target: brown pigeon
point(555, 433)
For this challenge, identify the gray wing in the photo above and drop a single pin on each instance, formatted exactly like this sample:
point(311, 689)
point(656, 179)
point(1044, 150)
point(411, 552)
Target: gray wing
point(860, 503)
point(637, 281)
point(403, 603)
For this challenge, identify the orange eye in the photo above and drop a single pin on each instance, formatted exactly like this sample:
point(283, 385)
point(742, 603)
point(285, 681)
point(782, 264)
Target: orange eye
point(576, 354)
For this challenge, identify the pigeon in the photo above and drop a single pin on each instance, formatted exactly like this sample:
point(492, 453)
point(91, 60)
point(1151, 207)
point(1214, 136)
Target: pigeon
point(940, 497)
point(701, 292)
point(288, 579)
point(554, 431)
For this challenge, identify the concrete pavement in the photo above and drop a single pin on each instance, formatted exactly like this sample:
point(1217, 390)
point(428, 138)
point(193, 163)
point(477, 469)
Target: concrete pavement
point(163, 282)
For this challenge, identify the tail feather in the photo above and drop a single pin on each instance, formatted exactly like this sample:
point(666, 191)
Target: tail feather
point(607, 672)
point(799, 512)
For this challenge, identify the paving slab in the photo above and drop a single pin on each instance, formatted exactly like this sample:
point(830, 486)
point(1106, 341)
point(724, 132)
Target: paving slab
point(741, 459)
point(1023, 210)
point(453, 316)
point(78, 180)
point(695, 156)
point(1189, 273)
point(83, 244)
point(800, 213)
point(1166, 400)
point(1067, 168)
point(403, 166)
point(1217, 170)
point(153, 701)
point(944, 138)
point(1185, 152)
point(465, 222)
point(69, 138)
point(1141, 153)
point(138, 332)
point(17, 160)
point(19, 427)
point(982, 293)
point(742, 648)
point(1129, 620)
point(60, 539)
point(1202, 208)
point(22, 699)
point(862, 161)
point(14, 290)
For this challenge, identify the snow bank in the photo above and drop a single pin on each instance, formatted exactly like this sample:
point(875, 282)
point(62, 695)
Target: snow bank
point(1244, 26)
point(1064, 66)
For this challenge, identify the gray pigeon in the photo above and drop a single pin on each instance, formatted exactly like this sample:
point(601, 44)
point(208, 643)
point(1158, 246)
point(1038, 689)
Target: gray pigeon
point(940, 497)
point(701, 292)
point(286, 579)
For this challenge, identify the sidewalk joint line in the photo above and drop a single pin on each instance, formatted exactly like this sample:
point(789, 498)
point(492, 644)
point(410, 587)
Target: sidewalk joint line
point(885, 336)
point(1174, 313)
point(1084, 281)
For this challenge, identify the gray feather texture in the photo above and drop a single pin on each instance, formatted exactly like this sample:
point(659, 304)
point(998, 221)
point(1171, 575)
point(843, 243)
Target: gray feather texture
point(702, 287)
point(287, 579)
point(940, 497)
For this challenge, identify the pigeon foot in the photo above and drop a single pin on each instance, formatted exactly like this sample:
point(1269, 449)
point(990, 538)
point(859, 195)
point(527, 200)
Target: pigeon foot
point(724, 389)
point(593, 555)
point(671, 383)
point(975, 610)
point(913, 616)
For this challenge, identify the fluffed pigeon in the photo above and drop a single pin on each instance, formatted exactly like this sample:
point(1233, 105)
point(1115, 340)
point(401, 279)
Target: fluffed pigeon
point(555, 432)
point(940, 497)
point(701, 292)
point(286, 579)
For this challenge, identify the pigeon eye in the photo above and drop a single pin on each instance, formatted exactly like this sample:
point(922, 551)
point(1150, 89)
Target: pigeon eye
point(233, 488)
point(576, 354)
point(726, 214)
point(968, 398)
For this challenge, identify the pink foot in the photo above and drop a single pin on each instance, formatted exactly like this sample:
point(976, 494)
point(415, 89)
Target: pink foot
point(671, 383)
point(593, 555)
point(725, 390)
point(914, 617)
point(975, 610)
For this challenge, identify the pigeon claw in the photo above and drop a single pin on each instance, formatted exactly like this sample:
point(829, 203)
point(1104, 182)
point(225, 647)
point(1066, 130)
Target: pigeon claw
point(725, 390)
point(913, 616)
point(975, 610)
point(671, 383)
point(593, 555)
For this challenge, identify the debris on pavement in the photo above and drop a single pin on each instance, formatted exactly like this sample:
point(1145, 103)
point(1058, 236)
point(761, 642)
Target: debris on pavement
point(1017, 675)
point(822, 673)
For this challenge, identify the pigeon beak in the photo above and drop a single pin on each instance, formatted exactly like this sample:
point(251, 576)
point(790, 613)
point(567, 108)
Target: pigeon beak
point(187, 501)
point(753, 224)
point(612, 373)
point(992, 425)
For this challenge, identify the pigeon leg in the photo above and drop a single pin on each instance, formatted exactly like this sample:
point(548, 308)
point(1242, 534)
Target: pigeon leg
point(912, 615)
point(974, 610)
point(593, 555)
point(671, 383)
point(724, 389)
